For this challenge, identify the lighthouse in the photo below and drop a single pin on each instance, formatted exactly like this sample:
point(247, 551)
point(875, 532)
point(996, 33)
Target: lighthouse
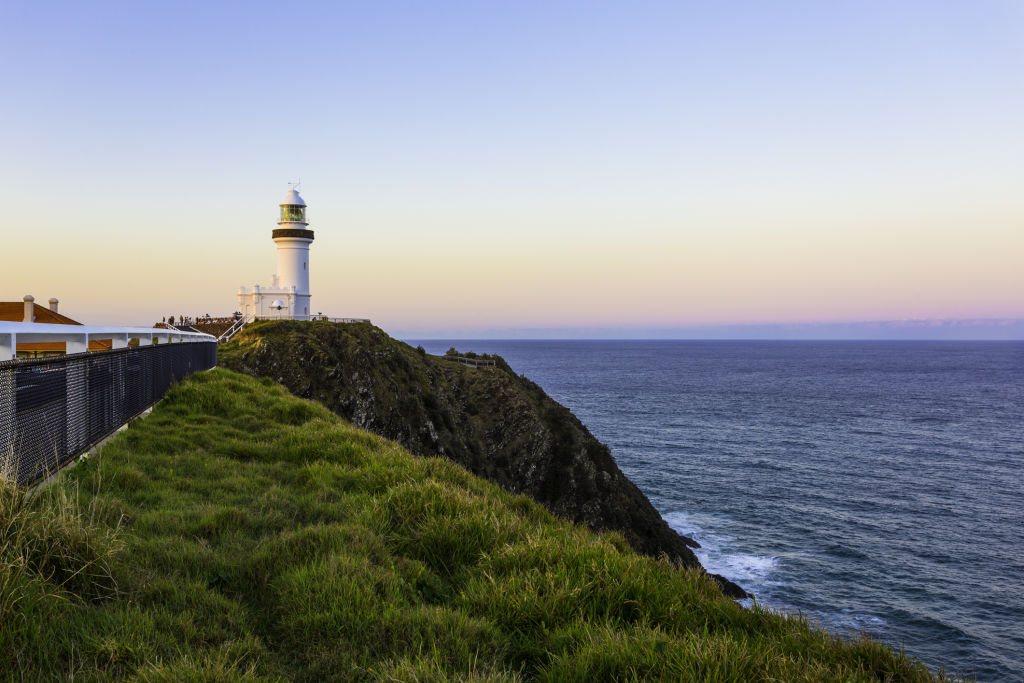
point(288, 295)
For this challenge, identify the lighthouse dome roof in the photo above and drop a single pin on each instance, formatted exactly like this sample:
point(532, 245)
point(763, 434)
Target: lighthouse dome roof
point(292, 198)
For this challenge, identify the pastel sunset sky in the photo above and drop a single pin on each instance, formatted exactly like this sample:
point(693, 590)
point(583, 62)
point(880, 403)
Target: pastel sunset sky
point(484, 168)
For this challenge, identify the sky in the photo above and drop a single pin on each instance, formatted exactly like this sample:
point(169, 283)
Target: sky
point(508, 169)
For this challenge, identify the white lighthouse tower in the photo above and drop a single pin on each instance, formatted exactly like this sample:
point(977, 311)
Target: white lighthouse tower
point(288, 296)
point(293, 238)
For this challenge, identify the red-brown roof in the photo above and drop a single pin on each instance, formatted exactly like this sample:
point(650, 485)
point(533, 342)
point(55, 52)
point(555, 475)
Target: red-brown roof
point(14, 311)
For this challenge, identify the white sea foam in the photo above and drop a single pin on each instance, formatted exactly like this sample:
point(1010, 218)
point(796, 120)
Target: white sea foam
point(721, 554)
point(757, 574)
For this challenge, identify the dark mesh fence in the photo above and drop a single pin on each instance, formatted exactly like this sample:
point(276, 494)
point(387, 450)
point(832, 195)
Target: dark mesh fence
point(53, 409)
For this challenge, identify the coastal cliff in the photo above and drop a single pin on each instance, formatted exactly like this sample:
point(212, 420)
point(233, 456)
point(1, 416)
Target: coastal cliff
point(496, 424)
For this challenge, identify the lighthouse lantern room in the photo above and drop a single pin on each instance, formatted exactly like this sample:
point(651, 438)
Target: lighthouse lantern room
point(288, 295)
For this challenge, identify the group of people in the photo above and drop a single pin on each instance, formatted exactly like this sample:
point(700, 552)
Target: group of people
point(184, 320)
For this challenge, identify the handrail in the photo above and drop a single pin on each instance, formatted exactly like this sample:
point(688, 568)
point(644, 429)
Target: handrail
point(235, 328)
point(77, 337)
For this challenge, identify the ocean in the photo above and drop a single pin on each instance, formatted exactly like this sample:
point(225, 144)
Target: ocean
point(871, 486)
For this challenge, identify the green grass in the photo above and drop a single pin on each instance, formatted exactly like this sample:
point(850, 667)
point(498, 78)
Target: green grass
point(241, 533)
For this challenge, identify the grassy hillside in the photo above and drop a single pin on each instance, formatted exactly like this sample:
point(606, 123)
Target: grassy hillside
point(241, 533)
point(496, 424)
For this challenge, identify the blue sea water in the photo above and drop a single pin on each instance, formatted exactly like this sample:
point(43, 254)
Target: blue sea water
point(872, 486)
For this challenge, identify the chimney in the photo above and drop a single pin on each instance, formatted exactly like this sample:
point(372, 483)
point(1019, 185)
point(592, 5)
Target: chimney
point(53, 303)
point(30, 309)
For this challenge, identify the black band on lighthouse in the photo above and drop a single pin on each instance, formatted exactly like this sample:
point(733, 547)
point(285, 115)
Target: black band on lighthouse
point(293, 232)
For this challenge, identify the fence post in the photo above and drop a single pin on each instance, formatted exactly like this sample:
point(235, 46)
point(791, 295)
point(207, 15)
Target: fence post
point(76, 399)
point(7, 417)
point(8, 346)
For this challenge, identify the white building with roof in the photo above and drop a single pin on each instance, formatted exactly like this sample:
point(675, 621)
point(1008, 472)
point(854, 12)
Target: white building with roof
point(288, 296)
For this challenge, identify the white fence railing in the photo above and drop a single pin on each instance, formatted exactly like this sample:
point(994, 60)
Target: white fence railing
point(309, 318)
point(234, 329)
point(77, 337)
point(339, 320)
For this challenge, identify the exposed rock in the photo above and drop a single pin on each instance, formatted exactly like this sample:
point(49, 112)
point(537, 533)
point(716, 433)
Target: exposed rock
point(496, 424)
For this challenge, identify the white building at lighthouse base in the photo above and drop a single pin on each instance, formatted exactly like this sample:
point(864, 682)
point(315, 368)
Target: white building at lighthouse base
point(273, 302)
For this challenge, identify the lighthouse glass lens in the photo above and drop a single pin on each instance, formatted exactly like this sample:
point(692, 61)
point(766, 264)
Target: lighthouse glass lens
point(293, 214)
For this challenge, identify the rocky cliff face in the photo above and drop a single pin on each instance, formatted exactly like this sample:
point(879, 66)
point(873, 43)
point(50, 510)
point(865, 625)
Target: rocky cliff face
point(494, 423)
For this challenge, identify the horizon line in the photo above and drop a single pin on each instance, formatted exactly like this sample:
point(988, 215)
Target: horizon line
point(922, 329)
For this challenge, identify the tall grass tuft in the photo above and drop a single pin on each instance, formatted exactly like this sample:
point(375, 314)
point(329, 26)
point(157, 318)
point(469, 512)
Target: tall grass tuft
point(50, 538)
